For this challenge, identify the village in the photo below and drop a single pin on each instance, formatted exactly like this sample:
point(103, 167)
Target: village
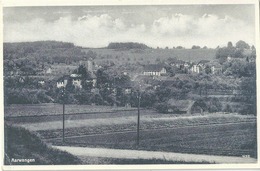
point(169, 81)
point(121, 85)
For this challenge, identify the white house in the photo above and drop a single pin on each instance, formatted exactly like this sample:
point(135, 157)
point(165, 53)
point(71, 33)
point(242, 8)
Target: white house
point(196, 68)
point(48, 71)
point(41, 82)
point(77, 82)
point(154, 70)
point(215, 67)
point(63, 81)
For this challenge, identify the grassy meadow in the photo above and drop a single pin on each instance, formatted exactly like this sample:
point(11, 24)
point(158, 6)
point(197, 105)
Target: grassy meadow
point(150, 55)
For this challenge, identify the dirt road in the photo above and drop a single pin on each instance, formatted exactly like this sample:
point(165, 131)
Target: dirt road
point(139, 154)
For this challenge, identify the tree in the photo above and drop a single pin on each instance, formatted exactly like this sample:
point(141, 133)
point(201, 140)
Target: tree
point(207, 69)
point(242, 45)
point(239, 69)
point(230, 45)
point(162, 108)
point(179, 47)
point(195, 47)
point(214, 105)
point(228, 109)
point(91, 55)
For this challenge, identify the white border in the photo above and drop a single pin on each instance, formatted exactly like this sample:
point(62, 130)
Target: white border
point(11, 3)
point(14, 3)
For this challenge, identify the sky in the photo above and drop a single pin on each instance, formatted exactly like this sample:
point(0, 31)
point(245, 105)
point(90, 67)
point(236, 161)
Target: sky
point(155, 26)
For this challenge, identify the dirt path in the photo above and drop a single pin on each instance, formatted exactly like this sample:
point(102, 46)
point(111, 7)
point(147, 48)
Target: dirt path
point(140, 154)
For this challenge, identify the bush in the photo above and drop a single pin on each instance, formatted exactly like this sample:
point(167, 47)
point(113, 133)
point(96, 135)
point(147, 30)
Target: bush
point(25, 96)
point(228, 109)
point(22, 144)
point(214, 105)
point(162, 107)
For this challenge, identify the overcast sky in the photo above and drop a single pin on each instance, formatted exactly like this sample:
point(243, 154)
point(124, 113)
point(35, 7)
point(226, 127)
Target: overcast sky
point(96, 26)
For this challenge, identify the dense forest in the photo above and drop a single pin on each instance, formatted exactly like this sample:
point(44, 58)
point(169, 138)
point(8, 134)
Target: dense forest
point(127, 45)
point(43, 51)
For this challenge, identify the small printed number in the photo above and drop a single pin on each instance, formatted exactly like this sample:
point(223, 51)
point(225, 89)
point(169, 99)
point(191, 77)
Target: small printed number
point(246, 156)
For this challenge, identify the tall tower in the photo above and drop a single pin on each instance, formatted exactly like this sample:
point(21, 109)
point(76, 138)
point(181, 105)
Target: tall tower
point(90, 66)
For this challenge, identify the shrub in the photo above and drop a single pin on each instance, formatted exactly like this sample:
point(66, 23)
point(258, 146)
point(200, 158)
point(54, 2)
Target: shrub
point(22, 144)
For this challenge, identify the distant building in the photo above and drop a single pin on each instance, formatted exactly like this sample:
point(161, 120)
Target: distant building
point(21, 79)
point(92, 79)
point(154, 70)
point(199, 67)
point(63, 81)
point(41, 82)
point(203, 64)
point(90, 66)
point(76, 80)
point(229, 58)
point(178, 63)
point(184, 107)
point(48, 71)
point(196, 68)
point(186, 65)
point(216, 69)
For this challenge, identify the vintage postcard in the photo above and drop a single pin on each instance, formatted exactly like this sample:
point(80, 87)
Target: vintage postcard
point(130, 85)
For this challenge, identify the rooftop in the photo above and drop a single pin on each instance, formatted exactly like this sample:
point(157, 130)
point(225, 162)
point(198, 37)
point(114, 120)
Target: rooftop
point(182, 105)
point(153, 67)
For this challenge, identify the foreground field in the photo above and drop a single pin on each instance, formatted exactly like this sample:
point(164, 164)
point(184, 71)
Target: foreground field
point(209, 133)
point(228, 139)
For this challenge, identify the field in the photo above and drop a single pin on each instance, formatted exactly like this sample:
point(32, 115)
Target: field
point(212, 140)
point(54, 109)
point(150, 55)
point(211, 133)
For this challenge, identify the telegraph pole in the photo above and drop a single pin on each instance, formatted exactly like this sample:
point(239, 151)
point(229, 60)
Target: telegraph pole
point(63, 116)
point(138, 119)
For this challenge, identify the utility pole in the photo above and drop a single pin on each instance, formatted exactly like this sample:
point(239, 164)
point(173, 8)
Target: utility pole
point(63, 116)
point(138, 118)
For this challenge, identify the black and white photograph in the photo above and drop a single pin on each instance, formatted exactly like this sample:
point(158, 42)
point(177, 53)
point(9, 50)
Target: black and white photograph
point(130, 84)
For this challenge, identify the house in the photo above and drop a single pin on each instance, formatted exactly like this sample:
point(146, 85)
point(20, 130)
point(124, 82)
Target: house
point(154, 70)
point(76, 80)
point(89, 64)
point(63, 81)
point(178, 63)
point(185, 106)
point(196, 68)
point(21, 80)
point(199, 67)
point(216, 69)
point(186, 65)
point(41, 82)
point(202, 64)
point(229, 58)
point(92, 79)
point(48, 71)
